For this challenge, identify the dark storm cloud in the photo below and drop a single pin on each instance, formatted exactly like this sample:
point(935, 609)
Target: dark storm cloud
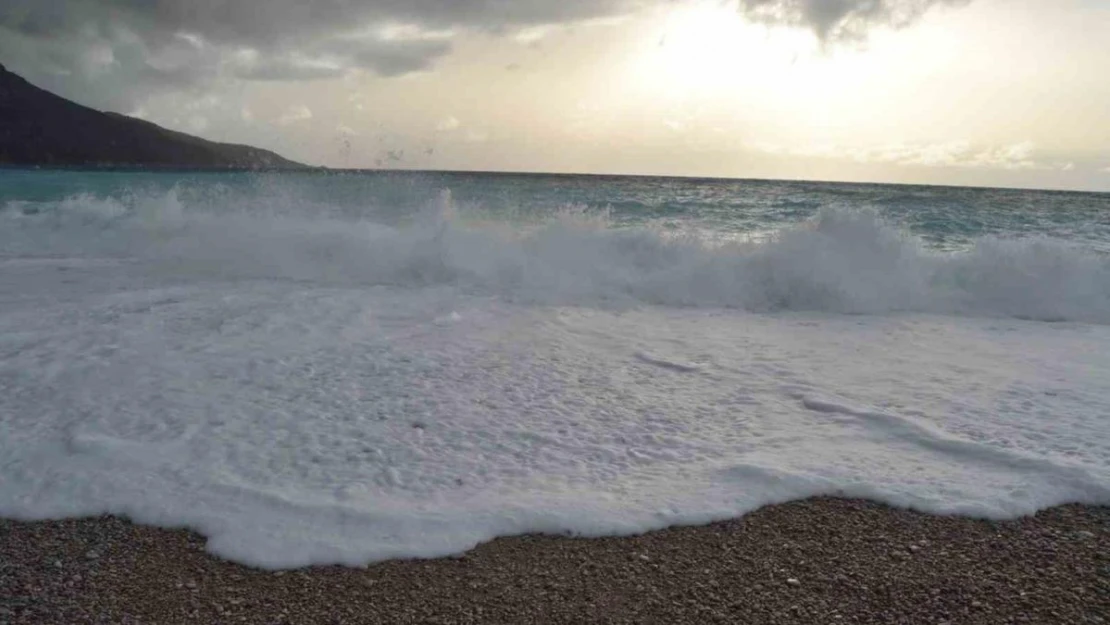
point(275, 22)
point(115, 53)
point(263, 20)
point(334, 57)
point(840, 20)
point(105, 65)
point(389, 57)
point(33, 19)
point(141, 42)
point(285, 69)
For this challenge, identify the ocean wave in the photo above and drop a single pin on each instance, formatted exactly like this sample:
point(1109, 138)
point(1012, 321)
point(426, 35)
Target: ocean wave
point(233, 365)
point(841, 261)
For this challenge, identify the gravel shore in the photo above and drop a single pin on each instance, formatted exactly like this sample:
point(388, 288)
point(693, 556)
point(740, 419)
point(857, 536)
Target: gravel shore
point(815, 561)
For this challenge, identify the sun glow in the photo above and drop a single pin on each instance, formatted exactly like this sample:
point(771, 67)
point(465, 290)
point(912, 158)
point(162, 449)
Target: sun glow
point(708, 46)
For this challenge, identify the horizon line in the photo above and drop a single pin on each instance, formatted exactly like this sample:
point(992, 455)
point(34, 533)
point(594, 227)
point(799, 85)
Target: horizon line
point(552, 174)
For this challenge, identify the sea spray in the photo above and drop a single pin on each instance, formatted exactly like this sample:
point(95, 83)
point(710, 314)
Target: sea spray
point(842, 260)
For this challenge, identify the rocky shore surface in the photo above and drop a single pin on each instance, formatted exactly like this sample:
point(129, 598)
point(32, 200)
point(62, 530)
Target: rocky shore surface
point(821, 560)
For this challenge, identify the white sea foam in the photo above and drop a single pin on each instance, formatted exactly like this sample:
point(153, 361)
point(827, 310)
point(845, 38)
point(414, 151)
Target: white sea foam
point(842, 261)
point(310, 390)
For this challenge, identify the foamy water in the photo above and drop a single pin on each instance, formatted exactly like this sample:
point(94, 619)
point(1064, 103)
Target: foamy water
point(304, 383)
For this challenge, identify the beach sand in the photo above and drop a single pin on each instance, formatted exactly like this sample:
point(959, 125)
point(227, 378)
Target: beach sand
point(820, 560)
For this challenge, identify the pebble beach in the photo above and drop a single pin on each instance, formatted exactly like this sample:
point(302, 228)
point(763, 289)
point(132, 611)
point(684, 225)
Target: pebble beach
point(820, 560)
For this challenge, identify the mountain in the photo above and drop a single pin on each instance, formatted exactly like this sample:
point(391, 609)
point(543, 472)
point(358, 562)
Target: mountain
point(40, 128)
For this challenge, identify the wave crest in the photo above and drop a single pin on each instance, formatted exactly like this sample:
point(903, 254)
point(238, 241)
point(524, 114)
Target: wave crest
point(841, 261)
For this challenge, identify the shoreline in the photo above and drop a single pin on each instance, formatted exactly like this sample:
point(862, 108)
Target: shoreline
point(818, 560)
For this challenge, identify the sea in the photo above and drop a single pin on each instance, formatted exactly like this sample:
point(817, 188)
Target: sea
point(344, 367)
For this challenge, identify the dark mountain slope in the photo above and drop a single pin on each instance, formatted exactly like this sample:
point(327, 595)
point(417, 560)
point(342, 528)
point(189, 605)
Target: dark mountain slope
point(40, 128)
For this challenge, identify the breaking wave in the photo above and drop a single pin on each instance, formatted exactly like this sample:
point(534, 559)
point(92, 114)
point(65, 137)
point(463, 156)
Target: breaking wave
point(841, 261)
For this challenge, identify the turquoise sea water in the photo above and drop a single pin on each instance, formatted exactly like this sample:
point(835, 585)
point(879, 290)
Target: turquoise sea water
point(943, 217)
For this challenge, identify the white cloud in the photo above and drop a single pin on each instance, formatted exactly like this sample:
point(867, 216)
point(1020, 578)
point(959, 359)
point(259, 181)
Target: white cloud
point(411, 32)
point(190, 38)
point(962, 154)
point(532, 35)
point(1016, 156)
point(295, 114)
point(448, 124)
point(676, 125)
point(930, 155)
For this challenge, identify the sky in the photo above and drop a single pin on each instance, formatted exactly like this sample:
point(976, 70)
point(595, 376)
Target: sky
point(966, 92)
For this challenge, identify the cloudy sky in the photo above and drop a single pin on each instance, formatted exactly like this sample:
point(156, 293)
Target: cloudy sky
point(988, 92)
